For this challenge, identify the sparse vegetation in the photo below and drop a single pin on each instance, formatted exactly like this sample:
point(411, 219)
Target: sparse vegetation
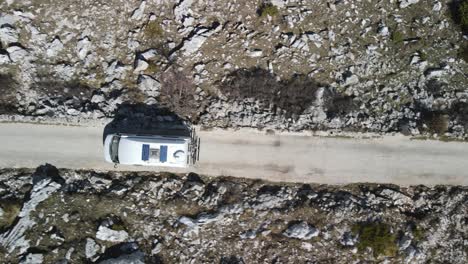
point(418, 233)
point(377, 236)
point(153, 30)
point(11, 209)
point(267, 9)
point(463, 53)
point(293, 95)
point(397, 37)
point(437, 123)
point(178, 94)
point(7, 94)
point(463, 12)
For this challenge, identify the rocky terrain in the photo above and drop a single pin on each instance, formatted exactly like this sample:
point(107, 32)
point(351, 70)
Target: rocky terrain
point(65, 216)
point(385, 66)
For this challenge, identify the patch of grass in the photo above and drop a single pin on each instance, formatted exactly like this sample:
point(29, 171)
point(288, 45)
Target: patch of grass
point(418, 234)
point(118, 227)
point(397, 37)
point(8, 99)
point(463, 13)
point(152, 68)
point(292, 96)
point(436, 123)
point(153, 30)
point(376, 236)
point(267, 9)
point(423, 55)
point(463, 53)
point(11, 209)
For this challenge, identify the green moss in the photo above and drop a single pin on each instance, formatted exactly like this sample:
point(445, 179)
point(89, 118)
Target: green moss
point(376, 236)
point(267, 9)
point(397, 37)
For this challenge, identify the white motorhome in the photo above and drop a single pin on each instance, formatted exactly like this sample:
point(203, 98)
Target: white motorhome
point(151, 150)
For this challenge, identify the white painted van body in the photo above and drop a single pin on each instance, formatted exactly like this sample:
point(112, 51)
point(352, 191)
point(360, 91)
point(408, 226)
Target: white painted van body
point(167, 151)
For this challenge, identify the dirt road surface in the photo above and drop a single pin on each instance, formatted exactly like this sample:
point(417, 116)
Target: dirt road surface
point(253, 154)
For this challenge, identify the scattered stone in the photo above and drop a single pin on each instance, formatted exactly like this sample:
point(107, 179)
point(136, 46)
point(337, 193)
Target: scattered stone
point(91, 248)
point(138, 13)
point(301, 230)
point(149, 85)
point(107, 234)
point(82, 47)
point(406, 3)
point(8, 34)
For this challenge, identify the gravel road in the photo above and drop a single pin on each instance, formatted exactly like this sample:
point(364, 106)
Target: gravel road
point(253, 154)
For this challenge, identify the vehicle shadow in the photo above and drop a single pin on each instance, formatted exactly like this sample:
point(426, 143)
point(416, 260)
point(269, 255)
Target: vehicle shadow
point(142, 119)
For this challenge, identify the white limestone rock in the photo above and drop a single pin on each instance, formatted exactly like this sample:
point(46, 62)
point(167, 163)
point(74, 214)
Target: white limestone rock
point(149, 85)
point(54, 47)
point(107, 234)
point(406, 3)
point(91, 248)
point(83, 47)
point(17, 53)
point(301, 230)
point(138, 13)
point(8, 34)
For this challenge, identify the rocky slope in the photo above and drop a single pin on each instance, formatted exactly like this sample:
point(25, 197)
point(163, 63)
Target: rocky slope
point(52, 216)
point(289, 64)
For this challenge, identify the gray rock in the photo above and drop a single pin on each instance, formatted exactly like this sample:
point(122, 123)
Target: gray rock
point(91, 248)
point(16, 238)
point(8, 34)
point(182, 10)
point(301, 230)
point(140, 65)
point(107, 234)
point(351, 80)
point(83, 47)
point(32, 258)
point(4, 59)
point(194, 43)
point(136, 257)
point(406, 3)
point(17, 53)
point(149, 85)
point(54, 47)
point(138, 13)
point(255, 53)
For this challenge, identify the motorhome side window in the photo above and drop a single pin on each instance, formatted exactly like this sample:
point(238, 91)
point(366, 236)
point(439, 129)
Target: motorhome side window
point(114, 147)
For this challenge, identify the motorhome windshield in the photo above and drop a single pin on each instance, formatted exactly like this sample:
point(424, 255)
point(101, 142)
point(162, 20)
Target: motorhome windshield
point(114, 149)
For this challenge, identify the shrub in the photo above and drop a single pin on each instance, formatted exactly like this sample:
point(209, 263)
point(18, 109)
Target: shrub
point(463, 53)
point(459, 13)
point(463, 13)
point(293, 95)
point(8, 99)
point(267, 9)
point(338, 105)
point(11, 209)
point(153, 30)
point(397, 37)
point(376, 236)
point(437, 123)
point(178, 94)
